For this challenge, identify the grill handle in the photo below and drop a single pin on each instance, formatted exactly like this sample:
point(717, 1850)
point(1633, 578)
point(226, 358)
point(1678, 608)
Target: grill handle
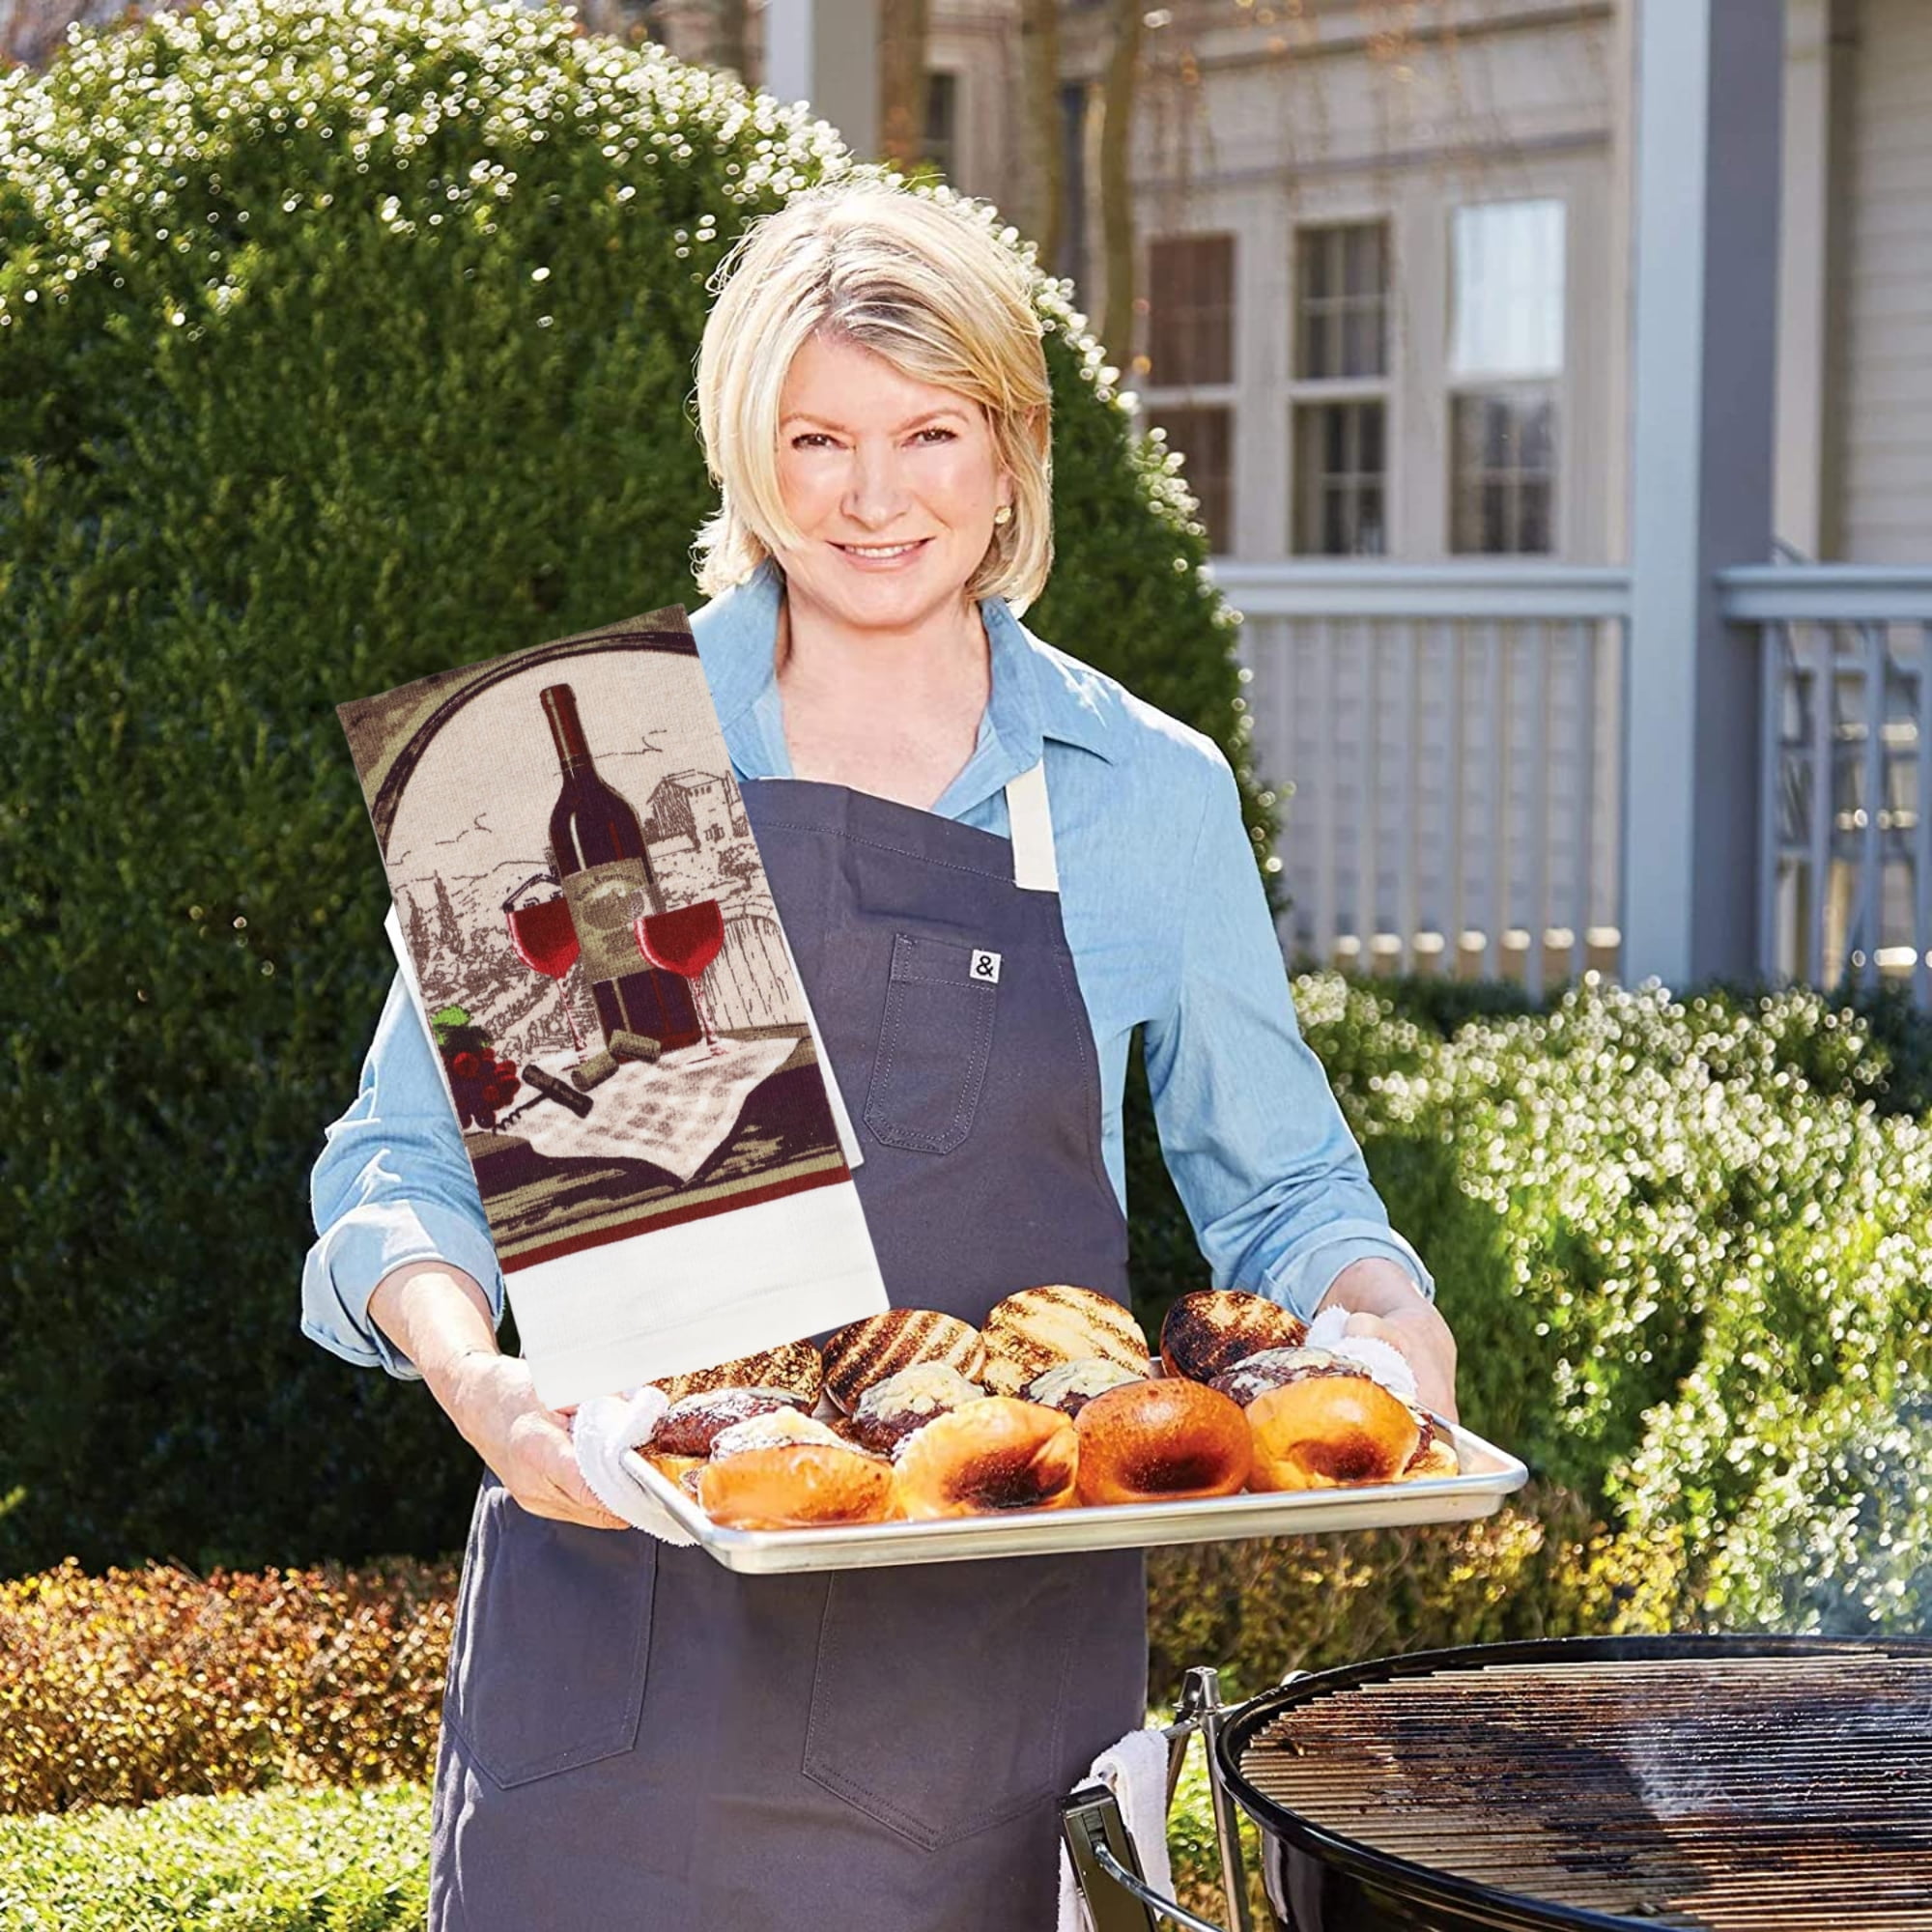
point(1106, 1868)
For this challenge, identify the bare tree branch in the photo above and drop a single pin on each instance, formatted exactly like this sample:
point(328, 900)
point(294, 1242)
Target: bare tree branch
point(1045, 180)
point(902, 34)
point(1116, 326)
point(728, 38)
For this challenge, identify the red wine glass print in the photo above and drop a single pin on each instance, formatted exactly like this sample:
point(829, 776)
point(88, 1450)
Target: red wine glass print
point(546, 940)
point(685, 942)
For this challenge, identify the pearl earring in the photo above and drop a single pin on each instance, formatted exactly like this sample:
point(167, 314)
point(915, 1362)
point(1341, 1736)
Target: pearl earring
point(1004, 514)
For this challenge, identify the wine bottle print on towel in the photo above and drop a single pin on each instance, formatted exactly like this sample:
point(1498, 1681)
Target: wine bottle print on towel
point(594, 940)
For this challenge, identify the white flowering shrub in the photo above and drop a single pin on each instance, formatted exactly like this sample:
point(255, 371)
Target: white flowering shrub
point(1690, 1264)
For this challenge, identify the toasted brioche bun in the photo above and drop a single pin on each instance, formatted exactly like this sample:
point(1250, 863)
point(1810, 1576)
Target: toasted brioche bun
point(794, 1366)
point(867, 1352)
point(1161, 1442)
point(787, 1471)
point(1039, 1328)
point(990, 1454)
point(1436, 1454)
point(674, 1468)
point(1327, 1431)
point(797, 1485)
point(1208, 1332)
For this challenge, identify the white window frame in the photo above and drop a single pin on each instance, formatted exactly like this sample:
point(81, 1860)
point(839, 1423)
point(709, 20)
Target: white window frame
point(1559, 384)
point(1302, 390)
point(1153, 398)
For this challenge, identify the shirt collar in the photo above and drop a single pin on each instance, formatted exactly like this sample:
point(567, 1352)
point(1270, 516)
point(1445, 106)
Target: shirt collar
point(1038, 694)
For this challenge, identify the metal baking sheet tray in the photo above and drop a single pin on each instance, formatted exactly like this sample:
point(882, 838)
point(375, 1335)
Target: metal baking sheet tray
point(1488, 1475)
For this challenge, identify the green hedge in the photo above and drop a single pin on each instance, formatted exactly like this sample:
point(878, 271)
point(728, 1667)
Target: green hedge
point(332, 355)
point(1687, 1245)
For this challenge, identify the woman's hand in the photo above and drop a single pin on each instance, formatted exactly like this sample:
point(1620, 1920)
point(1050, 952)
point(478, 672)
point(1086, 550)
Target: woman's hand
point(494, 1402)
point(440, 1319)
point(1384, 1302)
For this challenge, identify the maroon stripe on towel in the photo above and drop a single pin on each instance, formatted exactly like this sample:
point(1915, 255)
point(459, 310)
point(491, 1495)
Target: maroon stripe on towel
point(744, 1197)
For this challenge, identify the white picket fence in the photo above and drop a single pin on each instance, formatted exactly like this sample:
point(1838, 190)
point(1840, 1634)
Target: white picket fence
point(1445, 745)
point(1845, 833)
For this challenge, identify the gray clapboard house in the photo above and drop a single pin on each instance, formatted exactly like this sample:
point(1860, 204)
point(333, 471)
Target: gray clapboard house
point(1555, 379)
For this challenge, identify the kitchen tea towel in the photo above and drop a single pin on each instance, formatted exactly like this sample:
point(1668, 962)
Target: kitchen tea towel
point(582, 915)
point(1135, 1771)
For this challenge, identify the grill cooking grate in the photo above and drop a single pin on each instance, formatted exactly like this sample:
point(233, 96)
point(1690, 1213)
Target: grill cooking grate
point(1724, 1794)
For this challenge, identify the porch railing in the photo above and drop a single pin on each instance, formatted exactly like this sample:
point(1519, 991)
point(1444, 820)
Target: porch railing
point(1845, 815)
point(1446, 746)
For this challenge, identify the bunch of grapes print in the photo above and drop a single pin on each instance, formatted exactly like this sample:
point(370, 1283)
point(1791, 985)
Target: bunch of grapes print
point(592, 941)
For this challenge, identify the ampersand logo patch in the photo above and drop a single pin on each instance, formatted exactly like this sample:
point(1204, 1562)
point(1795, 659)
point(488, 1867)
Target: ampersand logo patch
point(985, 969)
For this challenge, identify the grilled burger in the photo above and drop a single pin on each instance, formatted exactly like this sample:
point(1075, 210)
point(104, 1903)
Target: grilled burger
point(1272, 1367)
point(1069, 1386)
point(691, 1425)
point(890, 1410)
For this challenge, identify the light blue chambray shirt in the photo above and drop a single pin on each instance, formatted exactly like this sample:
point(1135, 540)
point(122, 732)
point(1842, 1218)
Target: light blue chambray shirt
point(1168, 928)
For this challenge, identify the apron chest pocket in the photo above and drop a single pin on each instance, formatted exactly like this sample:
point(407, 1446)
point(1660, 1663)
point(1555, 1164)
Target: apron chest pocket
point(553, 1632)
point(934, 1043)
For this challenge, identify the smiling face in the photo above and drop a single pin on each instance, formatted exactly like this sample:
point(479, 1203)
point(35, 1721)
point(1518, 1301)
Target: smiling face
point(870, 459)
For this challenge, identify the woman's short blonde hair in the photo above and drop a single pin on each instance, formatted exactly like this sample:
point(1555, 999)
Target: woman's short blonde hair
point(927, 283)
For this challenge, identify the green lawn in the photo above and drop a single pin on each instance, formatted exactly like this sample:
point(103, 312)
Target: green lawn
point(315, 1862)
point(267, 1861)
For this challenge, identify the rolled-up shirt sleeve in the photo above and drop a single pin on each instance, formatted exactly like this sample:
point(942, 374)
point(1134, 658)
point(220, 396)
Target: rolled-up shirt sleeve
point(1270, 1175)
point(393, 1185)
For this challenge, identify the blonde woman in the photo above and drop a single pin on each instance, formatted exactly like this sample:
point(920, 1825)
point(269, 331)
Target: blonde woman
point(635, 1736)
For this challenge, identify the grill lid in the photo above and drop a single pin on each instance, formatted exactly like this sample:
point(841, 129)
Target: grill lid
point(1725, 1784)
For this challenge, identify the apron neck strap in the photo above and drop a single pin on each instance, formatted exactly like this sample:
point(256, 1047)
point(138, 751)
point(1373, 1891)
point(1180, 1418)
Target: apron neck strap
point(1032, 821)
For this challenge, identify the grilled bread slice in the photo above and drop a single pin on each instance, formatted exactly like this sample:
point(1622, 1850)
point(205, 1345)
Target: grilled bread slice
point(796, 1368)
point(1208, 1332)
point(1039, 1328)
point(867, 1352)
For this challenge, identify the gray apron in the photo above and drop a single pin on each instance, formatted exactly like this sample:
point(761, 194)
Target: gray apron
point(635, 1736)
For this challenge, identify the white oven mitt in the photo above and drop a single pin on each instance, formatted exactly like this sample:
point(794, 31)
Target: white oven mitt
point(601, 1430)
point(1135, 1771)
point(1383, 1360)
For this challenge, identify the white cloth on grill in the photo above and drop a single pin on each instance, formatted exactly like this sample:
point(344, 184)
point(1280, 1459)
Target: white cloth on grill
point(1135, 1771)
point(674, 1110)
point(601, 1430)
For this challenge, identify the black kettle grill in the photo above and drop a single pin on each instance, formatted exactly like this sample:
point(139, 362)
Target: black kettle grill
point(1711, 1784)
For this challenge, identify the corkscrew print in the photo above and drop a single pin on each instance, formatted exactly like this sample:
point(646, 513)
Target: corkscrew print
point(594, 946)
